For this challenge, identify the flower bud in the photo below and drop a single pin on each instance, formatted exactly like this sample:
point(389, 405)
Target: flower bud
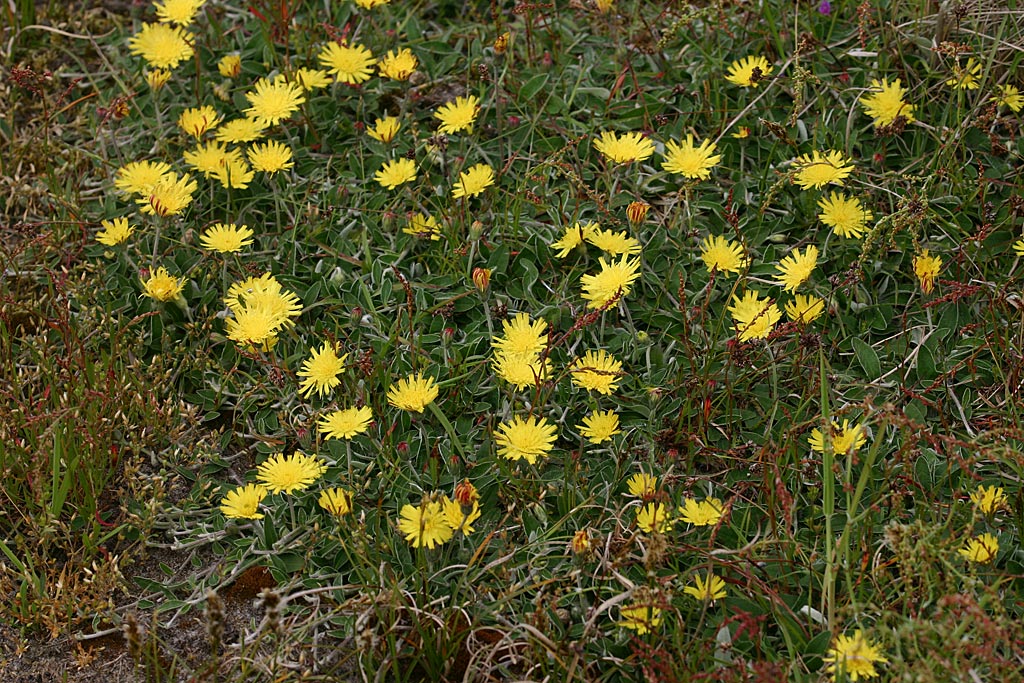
point(465, 493)
point(476, 229)
point(637, 212)
point(482, 278)
point(580, 542)
point(501, 43)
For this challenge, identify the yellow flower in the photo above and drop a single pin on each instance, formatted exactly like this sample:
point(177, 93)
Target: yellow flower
point(169, 196)
point(796, 268)
point(384, 129)
point(396, 172)
point(460, 517)
point(705, 513)
point(162, 286)
point(273, 101)
point(425, 524)
point(521, 336)
point(414, 393)
point(573, 237)
point(474, 181)
point(139, 177)
point(336, 501)
point(114, 232)
point(817, 170)
point(458, 115)
point(270, 157)
point(399, 65)
point(423, 226)
point(706, 588)
point(981, 549)
point(350, 64)
point(624, 149)
point(527, 439)
point(230, 66)
point(689, 161)
point(613, 281)
point(853, 657)
point(1009, 96)
point(197, 120)
point(370, 4)
point(162, 46)
point(226, 237)
point(211, 157)
point(722, 255)
point(613, 243)
point(988, 499)
point(157, 78)
point(654, 518)
point(264, 292)
point(642, 485)
point(640, 618)
point(805, 309)
point(521, 370)
point(284, 474)
point(243, 502)
point(598, 371)
point(311, 79)
point(845, 439)
point(965, 77)
point(320, 371)
point(180, 12)
point(844, 214)
point(344, 424)
point(253, 325)
point(234, 172)
point(885, 103)
point(926, 268)
point(754, 317)
point(599, 426)
point(580, 542)
point(742, 133)
point(1018, 247)
point(239, 130)
point(749, 71)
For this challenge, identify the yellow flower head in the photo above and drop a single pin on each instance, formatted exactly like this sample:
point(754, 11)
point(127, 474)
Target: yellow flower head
point(614, 280)
point(642, 485)
point(244, 502)
point(230, 66)
point(844, 214)
point(337, 501)
point(640, 618)
point(654, 518)
point(926, 268)
point(239, 130)
point(139, 177)
point(817, 170)
point(198, 120)
point(599, 426)
point(966, 77)
point(614, 243)
point(169, 196)
point(180, 12)
point(704, 513)
point(211, 157)
point(805, 308)
point(580, 542)
point(853, 657)
point(689, 161)
point(521, 370)
point(370, 4)
point(749, 71)
point(265, 293)
point(114, 232)
point(253, 326)
point(988, 499)
point(226, 237)
point(273, 101)
point(474, 181)
point(1009, 96)
point(845, 439)
point(414, 393)
point(320, 371)
point(423, 226)
point(458, 115)
point(270, 157)
point(753, 316)
point(344, 424)
point(162, 286)
point(885, 103)
point(597, 371)
point(162, 46)
point(425, 525)
point(350, 64)
point(707, 588)
point(981, 549)
point(796, 268)
point(311, 79)
point(284, 474)
point(157, 78)
point(384, 129)
point(722, 255)
point(522, 336)
point(574, 237)
point(460, 517)
point(396, 172)
point(625, 148)
point(234, 172)
point(398, 66)
point(527, 439)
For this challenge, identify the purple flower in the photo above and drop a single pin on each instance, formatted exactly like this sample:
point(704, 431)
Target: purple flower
point(825, 7)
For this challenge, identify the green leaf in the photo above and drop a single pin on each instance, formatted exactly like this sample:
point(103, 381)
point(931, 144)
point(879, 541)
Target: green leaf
point(533, 86)
point(867, 358)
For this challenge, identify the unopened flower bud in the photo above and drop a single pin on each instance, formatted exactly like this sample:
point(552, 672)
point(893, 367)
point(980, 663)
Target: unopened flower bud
point(466, 494)
point(581, 542)
point(501, 43)
point(637, 212)
point(482, 278)
point(476, 230)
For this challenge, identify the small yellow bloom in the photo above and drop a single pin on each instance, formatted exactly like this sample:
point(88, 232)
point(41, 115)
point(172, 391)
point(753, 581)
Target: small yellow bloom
point(642, 485)
point(599, 426)
point(625, 148)
point(805, 308)
point(753, 316)
point(988, 499)
point(230, 66)
point(749, 71)
point(818, 170)
point(845, 439)
point(282, 473)
point(722, 255)
point(384, 129)
point(114, 232)
point(398, 66)
point(926, 268)
point(396, 172)
point(474, 181)
point(270, 157)
point(162, 286)
point(458, 115)
point(226, 237)
point(981, 549)
point(244, 502)
point(425, 525)
point(1009, 96)
point(573, 237)
point(966, 77)
point(344, 424)
point(689, 161)
point(640, 618)
point(654, 518)
point(707, 588)
point(853, 657)
point(198, 120)
point(885, 103)
point(336, 501)
point(414, 393)
point(320, 371)
point(705, 513)
point(350, 64)
point(157, 78)
point(311, 79)
point(795, 269)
